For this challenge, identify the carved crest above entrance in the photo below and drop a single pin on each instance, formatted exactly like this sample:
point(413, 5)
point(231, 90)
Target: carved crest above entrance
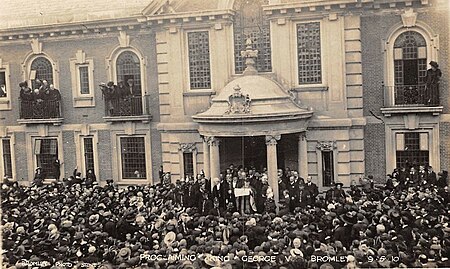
point(326, 145)
point(238, 103)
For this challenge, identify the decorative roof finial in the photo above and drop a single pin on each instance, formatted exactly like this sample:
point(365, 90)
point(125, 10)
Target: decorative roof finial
point(250, 56)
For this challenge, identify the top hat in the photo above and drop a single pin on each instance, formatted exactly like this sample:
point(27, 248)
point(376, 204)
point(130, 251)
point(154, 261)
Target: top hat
point(434, 64)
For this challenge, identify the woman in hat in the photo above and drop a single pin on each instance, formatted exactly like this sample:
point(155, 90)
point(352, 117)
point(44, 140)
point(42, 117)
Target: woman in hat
point(434, 74)
point(38, 177)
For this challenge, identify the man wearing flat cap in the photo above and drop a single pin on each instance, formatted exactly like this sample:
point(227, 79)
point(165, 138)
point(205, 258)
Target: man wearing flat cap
point(434, 74)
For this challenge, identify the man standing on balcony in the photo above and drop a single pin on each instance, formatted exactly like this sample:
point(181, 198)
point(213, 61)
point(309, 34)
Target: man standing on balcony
point(132, 88)
point(53, 98)
point(433, 76)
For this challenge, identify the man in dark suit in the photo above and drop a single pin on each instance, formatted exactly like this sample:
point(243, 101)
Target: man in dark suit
point(294, 193)
point(218, 192)
point(311, 191)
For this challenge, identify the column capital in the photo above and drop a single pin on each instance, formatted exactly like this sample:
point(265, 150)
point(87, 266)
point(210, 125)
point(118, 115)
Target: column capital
point(213, 141)
point(271, 140)
point(302, 136)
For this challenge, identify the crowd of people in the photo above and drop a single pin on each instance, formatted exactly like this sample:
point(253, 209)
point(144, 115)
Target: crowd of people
point(123, 98)
point(202, 223)
point(40, 102)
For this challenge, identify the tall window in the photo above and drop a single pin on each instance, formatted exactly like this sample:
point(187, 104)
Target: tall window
point(7, 161)
point(412, 149)
point(199, 63)
point(41, 68)
point(88, 153)
point(309, 53)
point(84, 79)
point(250, 22)
point(327, 168)
point(46, 152)
point(410, 59)
point(133, 157)
point(3, 92)
point(188, 164)
point(128, 66)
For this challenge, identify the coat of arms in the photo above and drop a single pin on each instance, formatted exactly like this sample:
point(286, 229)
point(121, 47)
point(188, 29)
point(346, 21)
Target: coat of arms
point(238, 103)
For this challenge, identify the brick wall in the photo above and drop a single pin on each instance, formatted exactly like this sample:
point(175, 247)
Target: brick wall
point(375, 149)
point(70, 159)
point(444, 135)
point(373, 59)
point(104, 155)
point(20, 150)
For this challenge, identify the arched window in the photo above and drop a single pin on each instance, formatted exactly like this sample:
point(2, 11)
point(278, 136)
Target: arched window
point(128, 66)
point(43, 69)
point(250, 22)
point(410, 59)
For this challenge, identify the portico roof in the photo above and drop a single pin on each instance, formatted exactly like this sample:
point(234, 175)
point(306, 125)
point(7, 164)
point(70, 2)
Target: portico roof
point(252, 105)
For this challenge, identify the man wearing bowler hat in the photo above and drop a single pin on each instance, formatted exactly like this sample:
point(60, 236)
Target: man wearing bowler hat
point(433, 76)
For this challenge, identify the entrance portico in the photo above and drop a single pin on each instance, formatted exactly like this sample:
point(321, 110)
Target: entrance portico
point(253, 108)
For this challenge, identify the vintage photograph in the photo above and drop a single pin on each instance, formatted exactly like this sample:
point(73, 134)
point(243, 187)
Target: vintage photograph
point(224, 134)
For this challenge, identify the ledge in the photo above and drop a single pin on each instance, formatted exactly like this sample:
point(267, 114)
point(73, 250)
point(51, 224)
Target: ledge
point(143, 118)
point(54, 121)
point(199, 93)
point(126, 182)
point(389, 111)
point(310, 89)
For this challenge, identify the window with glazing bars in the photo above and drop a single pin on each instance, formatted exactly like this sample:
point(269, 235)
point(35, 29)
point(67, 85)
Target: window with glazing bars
point(88, 153)
point(410, 64)
point(133, 157)
point(3, 92)
point(251, 23)
point(309, 53)
point(7, 161)
point(46, 151)
point(199, 63)
point(44, 70)
point(413, 150)
point(327, 168)
point(188, 163)
point(128, 66)
point(84, 79)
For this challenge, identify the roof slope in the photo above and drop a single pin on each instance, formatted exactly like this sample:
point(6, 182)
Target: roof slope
point(24, 13)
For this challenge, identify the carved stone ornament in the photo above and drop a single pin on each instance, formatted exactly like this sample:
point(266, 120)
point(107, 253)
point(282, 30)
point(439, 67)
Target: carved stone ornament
point(187, 147)
point(326, 145)
point(238, 103)
point(271, 140)
point(409, 18)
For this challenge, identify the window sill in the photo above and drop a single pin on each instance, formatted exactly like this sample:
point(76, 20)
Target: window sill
point(199, 93)
point(143, 118)
point(389, 111)
point(84, 101)
point(310, 89)
point(54, 121)
point(142, 181)
point(5, 104)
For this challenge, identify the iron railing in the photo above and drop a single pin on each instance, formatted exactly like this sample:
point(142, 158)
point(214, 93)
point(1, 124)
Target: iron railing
point(129, 106)
point(40, 109)
point(411, 95)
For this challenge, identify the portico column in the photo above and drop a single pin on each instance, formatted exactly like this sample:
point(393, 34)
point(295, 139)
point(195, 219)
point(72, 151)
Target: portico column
point(302, 156)
point(214, 157)
point(272, 167)
point(206, 164)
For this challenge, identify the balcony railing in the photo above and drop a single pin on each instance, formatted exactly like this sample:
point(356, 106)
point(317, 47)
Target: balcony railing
point(411, 95)
point(40, 109)
point(129, 108)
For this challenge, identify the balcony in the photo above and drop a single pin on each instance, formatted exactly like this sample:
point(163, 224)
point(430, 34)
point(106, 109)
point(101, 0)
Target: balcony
point(401, 99)
point(40, 111)
point(133, 108)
